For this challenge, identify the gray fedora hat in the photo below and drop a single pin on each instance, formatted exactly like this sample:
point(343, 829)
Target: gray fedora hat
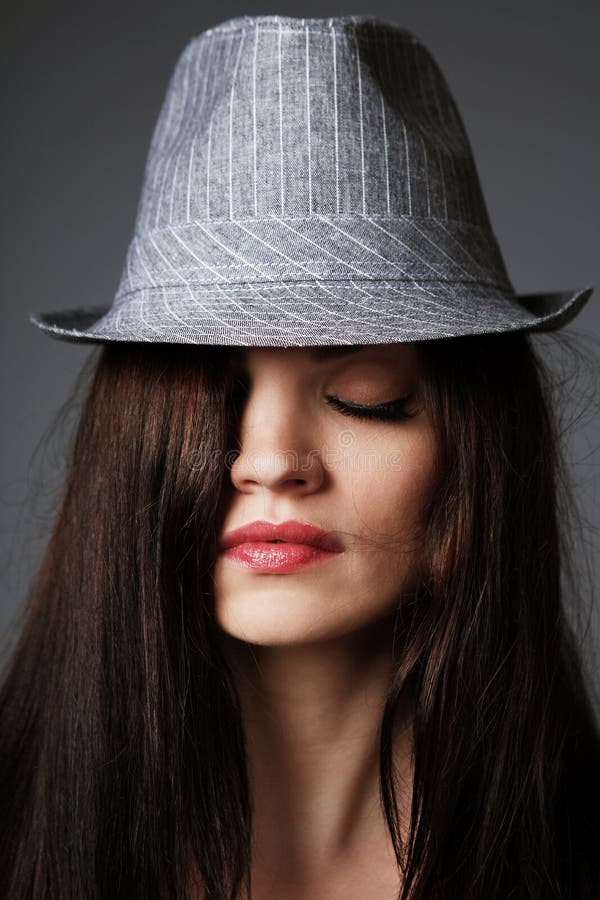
point(310, 182)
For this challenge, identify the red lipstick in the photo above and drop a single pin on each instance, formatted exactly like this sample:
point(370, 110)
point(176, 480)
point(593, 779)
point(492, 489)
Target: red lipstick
point(256, 546)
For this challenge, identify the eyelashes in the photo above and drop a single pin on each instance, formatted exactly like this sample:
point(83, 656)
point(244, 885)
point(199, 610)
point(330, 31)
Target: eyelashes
point(392, 410)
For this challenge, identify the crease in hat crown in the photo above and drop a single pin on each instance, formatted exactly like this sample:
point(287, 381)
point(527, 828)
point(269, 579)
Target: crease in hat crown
point(312, 176)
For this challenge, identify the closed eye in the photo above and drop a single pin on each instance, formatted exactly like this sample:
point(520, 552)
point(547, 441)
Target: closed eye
point(391, 410)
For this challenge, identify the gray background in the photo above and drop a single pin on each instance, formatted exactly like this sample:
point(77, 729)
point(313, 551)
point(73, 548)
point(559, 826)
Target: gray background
point(82, 87)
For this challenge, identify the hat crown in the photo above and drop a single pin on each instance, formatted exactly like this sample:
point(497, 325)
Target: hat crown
point(287, 117)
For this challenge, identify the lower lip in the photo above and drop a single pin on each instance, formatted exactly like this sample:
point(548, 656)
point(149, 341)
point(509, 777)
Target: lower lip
point(263, 556)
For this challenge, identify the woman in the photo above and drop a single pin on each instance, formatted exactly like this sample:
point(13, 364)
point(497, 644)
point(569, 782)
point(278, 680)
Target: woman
point(390, 702)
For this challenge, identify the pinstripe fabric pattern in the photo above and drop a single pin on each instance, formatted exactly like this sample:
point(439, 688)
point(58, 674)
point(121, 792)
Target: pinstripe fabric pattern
point(310, 181)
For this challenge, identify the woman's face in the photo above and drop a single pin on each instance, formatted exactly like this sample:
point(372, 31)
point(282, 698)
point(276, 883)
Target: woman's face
point(365, 481)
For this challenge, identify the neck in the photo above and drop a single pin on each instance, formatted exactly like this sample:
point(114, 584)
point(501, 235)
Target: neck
point(312, 716)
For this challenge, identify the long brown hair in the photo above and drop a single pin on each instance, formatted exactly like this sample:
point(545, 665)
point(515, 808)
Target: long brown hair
point(122, 750)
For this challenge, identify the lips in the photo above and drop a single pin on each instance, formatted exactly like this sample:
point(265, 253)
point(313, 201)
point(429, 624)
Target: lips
point(291, 532)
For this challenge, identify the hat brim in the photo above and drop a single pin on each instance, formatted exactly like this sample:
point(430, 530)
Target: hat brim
point(352, 318)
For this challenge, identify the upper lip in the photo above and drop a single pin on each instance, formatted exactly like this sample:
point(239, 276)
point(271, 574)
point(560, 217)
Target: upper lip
point(292, 531)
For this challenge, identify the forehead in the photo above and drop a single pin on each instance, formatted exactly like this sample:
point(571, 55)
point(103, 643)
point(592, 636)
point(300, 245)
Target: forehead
point(405, 351)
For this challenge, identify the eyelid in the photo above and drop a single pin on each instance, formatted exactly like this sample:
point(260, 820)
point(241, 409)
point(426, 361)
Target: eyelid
point(241, 379)
point(382, 404)
point(389, 410)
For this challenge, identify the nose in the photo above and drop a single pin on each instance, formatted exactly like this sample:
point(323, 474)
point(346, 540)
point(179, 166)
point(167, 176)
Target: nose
point(278, 448)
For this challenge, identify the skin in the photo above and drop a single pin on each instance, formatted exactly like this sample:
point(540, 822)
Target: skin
point(312, 650)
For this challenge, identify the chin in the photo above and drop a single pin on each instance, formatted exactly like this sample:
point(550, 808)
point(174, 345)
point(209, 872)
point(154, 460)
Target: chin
point(281, 625)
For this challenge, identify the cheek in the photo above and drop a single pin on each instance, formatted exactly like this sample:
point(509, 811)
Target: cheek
point(395, 486)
